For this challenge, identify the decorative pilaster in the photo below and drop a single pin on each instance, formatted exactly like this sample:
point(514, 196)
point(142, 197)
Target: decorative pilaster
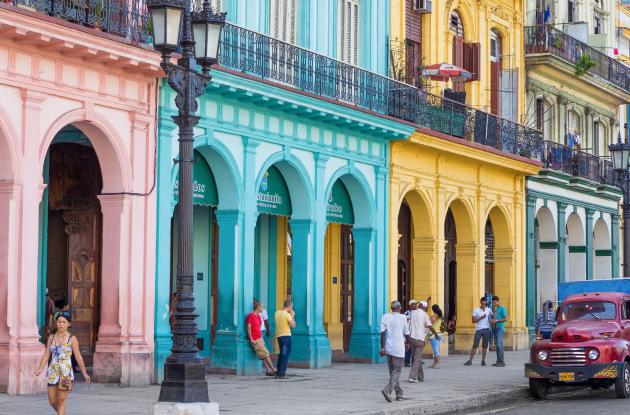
point(589, 243)
point(531, 265)
point(562, 241)
point(614, 245)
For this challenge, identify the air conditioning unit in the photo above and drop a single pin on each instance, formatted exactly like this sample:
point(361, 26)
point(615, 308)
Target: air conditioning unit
point(422, 6)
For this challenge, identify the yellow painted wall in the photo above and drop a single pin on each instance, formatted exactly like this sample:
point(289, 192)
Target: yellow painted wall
point(479, 18)
point(332, 268)
point(433, 174)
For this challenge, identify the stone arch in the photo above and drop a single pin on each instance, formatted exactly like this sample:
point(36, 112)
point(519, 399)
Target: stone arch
point(297, 180)
point(575, 249)
point(602, 255)
point(499, 269)
point(361, 196)
point(424, 225)
point(114, 160)
point(546, 256)
point(464, 221)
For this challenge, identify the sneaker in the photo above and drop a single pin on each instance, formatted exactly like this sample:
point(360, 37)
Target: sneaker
point(483, 363)
point(386, 395)
point(495, 364)
point(399, 397)
point(412, 380)
point(501, 364)
point(468, 363)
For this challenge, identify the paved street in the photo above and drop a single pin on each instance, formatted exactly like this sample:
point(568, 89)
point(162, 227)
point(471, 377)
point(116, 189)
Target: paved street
point(584, 402)
point(343, 389)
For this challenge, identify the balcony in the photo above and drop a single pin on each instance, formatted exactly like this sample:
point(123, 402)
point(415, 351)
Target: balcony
point(548, 40)
point(284, 64)
point(128, 19)
point(578, 163)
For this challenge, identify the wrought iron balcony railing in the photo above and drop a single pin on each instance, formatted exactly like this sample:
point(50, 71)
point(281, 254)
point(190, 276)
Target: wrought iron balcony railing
point(280, 62)
point(125, 18)
point(578, 163)
point(547, 39)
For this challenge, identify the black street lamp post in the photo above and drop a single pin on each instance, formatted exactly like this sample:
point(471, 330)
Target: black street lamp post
point(196, 36)
point(621, 163)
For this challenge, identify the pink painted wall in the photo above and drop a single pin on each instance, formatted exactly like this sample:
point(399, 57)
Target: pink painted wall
point(52, 75)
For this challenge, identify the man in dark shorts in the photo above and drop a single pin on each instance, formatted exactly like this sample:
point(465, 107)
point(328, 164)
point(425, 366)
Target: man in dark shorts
point(481, 319)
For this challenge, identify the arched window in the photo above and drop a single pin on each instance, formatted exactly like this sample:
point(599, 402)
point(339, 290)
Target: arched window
point(495, 73)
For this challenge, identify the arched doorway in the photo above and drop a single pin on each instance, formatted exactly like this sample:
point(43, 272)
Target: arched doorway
point(405, 236)
point(205, 251)
point(450, 267)
point(339, 268)
point(71, 227)
point(602, 255)
point(546, 260)
point(499, 279)
point(273, 282)
point(489, 258)
point(575, 250)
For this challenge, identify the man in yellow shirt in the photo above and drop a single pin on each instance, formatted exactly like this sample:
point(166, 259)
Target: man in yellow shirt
point(285, 321)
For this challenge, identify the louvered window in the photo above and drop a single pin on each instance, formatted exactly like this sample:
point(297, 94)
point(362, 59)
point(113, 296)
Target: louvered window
point(282, 20)
point(348, 31)
point(217, 5)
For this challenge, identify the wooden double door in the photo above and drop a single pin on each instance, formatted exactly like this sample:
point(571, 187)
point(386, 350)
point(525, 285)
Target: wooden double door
point(347, 283)
point(73, 268)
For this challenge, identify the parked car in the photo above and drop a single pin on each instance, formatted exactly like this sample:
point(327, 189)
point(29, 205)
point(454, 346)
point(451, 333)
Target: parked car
point(590, 346)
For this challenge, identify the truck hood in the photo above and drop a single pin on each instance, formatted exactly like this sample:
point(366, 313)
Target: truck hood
point(582, 330)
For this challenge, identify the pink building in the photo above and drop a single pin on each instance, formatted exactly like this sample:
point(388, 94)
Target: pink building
point(77, 185)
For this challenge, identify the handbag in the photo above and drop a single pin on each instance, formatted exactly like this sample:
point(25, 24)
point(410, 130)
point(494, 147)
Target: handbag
point(65, 384)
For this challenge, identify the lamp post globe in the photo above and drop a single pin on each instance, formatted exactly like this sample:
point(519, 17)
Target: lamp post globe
point(620, 152)
point(207, 26)
point(166, 18)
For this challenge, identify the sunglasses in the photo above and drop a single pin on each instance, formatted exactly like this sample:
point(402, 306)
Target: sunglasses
point(64, 314)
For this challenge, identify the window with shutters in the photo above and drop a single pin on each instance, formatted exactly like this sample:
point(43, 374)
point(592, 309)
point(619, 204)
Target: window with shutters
point(348, 31)
point(282, 20)
point(540, 114)
point(596, 137)
point(571, 12)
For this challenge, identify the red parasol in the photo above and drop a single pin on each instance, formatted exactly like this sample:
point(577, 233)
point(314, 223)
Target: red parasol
point(446, 71)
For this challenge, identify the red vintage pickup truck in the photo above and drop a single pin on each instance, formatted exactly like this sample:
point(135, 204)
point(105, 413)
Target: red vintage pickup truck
point(590, 346)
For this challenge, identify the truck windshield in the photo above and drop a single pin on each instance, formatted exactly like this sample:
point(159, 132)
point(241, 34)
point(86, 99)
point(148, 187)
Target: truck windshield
point(589, 310)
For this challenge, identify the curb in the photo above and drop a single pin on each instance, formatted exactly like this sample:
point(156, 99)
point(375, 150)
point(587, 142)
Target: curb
point(455, 405)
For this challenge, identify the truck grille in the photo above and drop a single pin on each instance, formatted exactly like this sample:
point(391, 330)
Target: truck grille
point(570, 356)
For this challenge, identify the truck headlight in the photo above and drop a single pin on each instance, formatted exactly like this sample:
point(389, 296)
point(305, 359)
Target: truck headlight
point(542, 355)
point(593, 354)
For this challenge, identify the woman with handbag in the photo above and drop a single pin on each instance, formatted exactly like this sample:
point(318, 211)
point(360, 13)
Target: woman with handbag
point(61, 346)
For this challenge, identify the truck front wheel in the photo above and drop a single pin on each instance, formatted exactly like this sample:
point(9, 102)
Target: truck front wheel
point(538, 388)
point(622, 383)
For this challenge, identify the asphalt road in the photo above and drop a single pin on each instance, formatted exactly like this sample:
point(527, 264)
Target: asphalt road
point(583, 402)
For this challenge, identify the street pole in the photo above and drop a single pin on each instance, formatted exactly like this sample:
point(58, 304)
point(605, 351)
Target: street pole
point(184, 370)
point(625, 207)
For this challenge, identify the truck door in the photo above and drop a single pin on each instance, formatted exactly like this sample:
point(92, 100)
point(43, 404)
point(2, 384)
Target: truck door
point(625, 318)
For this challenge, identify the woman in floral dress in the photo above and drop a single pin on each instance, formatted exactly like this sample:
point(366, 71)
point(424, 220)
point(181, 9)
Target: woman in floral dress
point(61, 346)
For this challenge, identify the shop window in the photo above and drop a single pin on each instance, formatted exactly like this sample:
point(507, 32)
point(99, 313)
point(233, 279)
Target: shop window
point(348, 31)
point(282, 20)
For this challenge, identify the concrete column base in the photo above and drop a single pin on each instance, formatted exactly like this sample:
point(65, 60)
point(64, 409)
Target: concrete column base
point(163, 345)
point(365, 346)
point(124, 367)
point(231, 354)
point(176, 408)
point(516, 339)
point(310, 351)
point(17, 370)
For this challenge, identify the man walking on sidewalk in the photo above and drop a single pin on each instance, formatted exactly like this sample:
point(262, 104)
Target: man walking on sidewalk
point(419, 326)
point(500, 317)
point(481, 318)
point(413, 304)
point(285, 321)
point(394, 330)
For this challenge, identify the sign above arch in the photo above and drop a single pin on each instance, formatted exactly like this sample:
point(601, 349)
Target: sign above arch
point(339, 206)
point(204, 187)
point(273, 195)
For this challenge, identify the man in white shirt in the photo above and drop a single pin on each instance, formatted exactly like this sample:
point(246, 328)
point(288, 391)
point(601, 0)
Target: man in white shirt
point(394, 331)
point(419, 326)
point(413, 304)
point(481, 318)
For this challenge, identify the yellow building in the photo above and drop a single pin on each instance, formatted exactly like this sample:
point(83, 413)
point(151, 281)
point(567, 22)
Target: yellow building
point(457, 190)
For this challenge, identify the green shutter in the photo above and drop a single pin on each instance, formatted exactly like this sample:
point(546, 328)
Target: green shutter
point(339, 207)
point(204, 186)
point(273, 195)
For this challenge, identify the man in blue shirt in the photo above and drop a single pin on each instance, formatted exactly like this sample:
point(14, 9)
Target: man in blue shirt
point(545, 321)
point(500, 317)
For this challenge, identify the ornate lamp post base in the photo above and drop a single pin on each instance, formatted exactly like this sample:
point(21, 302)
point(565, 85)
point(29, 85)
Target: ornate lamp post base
point(193, 408)
point(184, 382)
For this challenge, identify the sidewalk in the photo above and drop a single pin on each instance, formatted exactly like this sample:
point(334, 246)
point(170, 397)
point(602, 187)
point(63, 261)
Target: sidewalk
point(342, 389)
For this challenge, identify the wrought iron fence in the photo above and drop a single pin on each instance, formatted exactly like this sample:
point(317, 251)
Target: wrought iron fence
point(125, 18)
point(269, 58)
point(578, 163)
point(547, 39)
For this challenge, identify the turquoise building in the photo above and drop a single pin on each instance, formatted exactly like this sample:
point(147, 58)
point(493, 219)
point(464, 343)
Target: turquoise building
point(290, 182)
